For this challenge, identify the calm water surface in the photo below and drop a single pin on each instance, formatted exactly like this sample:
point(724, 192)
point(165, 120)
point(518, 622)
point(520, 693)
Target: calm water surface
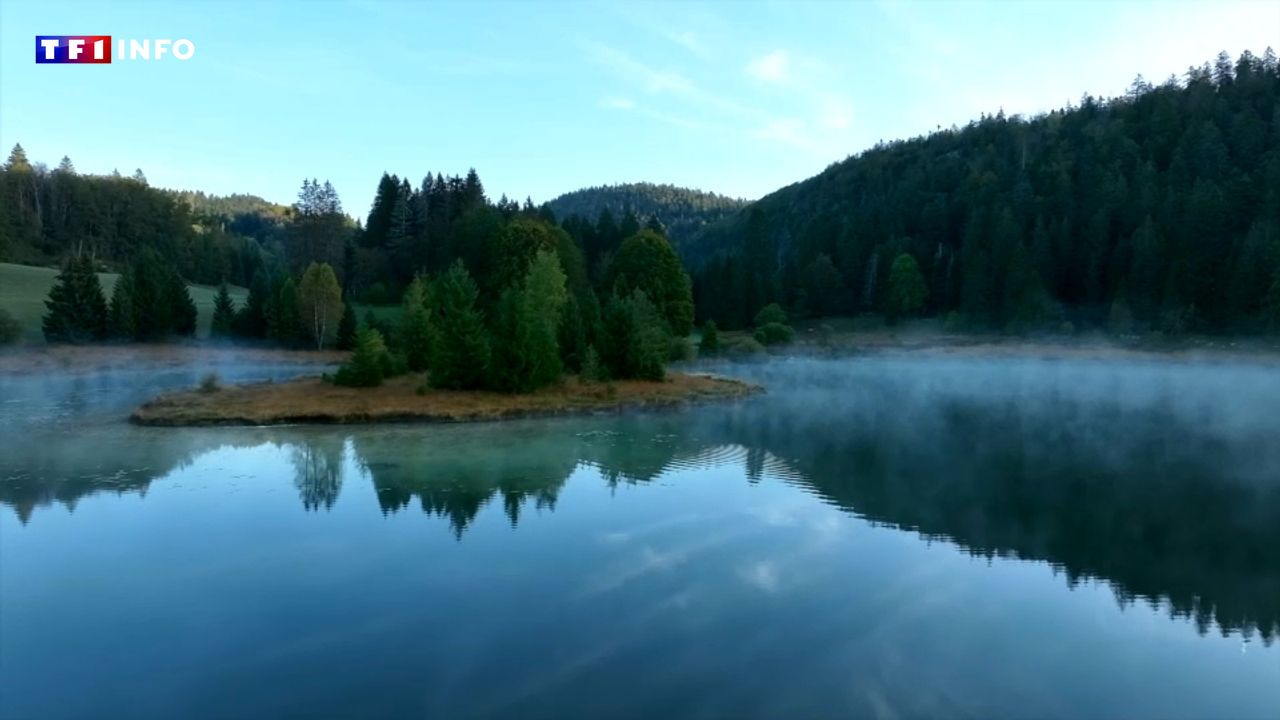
point(878, 537)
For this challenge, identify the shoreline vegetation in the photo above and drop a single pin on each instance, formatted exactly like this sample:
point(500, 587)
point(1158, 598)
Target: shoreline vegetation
point(406, 399)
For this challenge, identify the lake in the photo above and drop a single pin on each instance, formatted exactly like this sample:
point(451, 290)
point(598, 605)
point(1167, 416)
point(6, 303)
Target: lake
point(888, 537)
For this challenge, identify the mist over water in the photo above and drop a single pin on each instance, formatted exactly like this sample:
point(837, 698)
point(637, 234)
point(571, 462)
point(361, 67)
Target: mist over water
point(890, 536)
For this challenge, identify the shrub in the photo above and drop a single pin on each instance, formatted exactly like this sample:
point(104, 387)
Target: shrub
point(679, 349)
point(744, 347)
point(368, 365)
point(209, 383)
point(774, 334)
point(10, 328)
point(592, 370)
point(709, 345)
point(377, 294)
point(771, 313)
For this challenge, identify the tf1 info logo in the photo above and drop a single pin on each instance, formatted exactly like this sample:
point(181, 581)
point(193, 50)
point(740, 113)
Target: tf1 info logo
point(99, 49)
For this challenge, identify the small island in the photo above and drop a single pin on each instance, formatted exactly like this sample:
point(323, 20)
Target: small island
point(404, 399)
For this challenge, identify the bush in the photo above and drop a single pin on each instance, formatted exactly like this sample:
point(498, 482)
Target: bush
point(10, 328)
point(209, 383)
point(368, 365)
point(376, 294)
point(679, 349)
point(744, 347)
point(825, 335)
point(592, 370)
point(709, 345)
point(774, 334)
point(771, 313)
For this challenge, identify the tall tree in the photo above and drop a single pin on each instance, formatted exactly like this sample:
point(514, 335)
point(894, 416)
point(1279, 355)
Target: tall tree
point(460, 356)
point(320, 303)
point(415, 325)
point(907, 290)
point(224, 314)
point(646, 261)
point(77, 310)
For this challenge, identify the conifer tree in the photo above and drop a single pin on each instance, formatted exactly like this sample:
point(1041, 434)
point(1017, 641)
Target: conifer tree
point(182, 307)
point(460, 356)
point(415, 326)
point(121, 323)
point(634, 339)
point(347, 328)
point(77, 310)
point(526, 352)
point(251, 321)
point(224, 314)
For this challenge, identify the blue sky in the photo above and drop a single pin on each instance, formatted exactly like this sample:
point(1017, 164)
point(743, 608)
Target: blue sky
point(543, 98)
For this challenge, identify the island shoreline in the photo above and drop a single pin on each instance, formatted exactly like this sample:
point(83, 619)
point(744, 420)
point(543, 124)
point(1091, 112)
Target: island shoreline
point(315, 401)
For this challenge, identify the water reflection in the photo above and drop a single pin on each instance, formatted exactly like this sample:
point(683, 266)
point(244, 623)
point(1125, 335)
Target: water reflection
point(1153, 480)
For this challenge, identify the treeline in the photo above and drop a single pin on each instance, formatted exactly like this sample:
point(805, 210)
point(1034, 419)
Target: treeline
point(515, 308)
point(1155, 211)
point(493, 295)
point(682, 211)
point(47, 216)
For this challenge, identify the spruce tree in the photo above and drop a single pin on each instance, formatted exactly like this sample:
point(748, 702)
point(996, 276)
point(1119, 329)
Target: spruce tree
point(415, 326)
point(251, 321)
point(634, 339)
point(77, 310)
point(183, 308)
point(121, 323)
point(347, 328)
point(224, 314)
point(460, 356)
point(526, 352)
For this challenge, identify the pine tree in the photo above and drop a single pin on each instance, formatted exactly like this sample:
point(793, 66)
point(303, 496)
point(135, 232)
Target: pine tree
point(347, 328)
point(634, 338)
point(77, 310)
point(367, 366)
point(121, 320)
point(224, 314)
point(709, 345)
point(283, 324)
point(251, 321)
point(460, 356)
point(526, 352)
point(415, 326)
point(183, 308)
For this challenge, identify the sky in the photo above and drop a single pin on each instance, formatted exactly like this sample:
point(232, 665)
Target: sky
point(542, 98)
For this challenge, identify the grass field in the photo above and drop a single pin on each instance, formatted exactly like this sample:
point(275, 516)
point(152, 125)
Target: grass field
point(23, 290)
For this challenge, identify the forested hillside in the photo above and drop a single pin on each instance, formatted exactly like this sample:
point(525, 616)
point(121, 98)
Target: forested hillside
point(680, 210)
point(49, 215)
point(1158, 210)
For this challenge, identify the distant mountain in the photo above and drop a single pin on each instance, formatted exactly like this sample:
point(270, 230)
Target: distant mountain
point(681, 210)
point(1157, 210)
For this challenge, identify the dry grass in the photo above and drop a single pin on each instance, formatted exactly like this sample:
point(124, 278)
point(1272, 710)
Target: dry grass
point(313, 400)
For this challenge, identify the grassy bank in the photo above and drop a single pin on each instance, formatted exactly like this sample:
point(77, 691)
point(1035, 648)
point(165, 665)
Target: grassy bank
point(314, 400)
point(23, 290)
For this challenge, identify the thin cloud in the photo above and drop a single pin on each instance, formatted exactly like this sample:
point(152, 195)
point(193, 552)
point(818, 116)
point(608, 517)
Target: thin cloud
point(772, 68)
point(618, 103)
